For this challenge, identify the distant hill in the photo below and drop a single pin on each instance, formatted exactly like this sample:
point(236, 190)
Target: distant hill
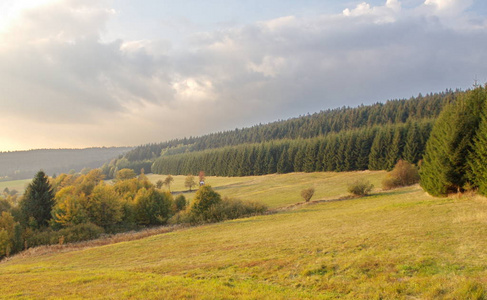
point(24, 164)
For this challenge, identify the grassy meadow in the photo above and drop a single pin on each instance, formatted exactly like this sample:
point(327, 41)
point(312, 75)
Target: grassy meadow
point(399, 244)
point(18, 185)
point(278, 190)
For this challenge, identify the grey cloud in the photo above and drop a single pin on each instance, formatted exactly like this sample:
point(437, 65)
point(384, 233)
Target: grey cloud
point(238, 76)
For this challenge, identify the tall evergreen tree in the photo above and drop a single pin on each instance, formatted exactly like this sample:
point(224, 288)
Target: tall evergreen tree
point(412, 144)
point(38, 200)
point(478, 157)
point(445, 168)
point(284, 164)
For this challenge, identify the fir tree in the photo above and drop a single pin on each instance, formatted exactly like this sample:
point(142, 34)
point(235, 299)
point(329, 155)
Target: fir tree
point(412, 144)
point(478, 157)
point(445, 167)
point(38, 200)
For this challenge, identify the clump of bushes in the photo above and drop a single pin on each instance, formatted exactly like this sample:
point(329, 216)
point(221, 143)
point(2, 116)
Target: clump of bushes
point(403, 174)
point(360, 187)
point(76, 233)
point(209, 207)
point(307, 194)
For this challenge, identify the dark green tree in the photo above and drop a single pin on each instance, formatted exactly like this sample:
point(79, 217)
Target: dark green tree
point(38, 200)
point(445, 167)
point(284, 165)
point(412, 144)
point(478, 156)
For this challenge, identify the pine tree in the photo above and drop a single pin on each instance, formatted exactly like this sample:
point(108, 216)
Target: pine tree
point(38, 200)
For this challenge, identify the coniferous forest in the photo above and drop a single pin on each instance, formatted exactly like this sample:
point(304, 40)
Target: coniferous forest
point(344, 139)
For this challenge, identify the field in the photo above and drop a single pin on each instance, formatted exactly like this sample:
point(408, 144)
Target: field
point(400, 244)
point(18, 185)
point(279, 190)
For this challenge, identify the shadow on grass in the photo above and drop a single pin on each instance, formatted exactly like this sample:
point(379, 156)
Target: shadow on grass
point(233, 185)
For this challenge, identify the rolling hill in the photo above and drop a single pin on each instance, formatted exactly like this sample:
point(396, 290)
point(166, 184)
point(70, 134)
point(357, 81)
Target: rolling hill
point(399, 244)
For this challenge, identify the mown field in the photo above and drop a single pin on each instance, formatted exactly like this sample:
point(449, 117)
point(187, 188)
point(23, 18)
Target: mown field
point(400, 244)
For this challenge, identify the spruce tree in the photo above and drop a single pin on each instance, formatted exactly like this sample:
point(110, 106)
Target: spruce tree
point(284, 165)
point(38, 200)
point(412, 145)
point(478, 157)
point(445, 165)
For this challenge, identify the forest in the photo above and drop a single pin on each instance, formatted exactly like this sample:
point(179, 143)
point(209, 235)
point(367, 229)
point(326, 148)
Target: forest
point(341, 139)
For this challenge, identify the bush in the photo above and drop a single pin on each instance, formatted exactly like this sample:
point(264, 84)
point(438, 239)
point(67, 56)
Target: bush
point(80, 232)
point(227, 209)
point(403, 174)
point(360, 187)
point(72, 234)
point(307, 194)
point(180, 203)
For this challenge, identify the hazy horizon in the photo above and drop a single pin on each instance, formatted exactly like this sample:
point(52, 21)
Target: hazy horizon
point(82, 74)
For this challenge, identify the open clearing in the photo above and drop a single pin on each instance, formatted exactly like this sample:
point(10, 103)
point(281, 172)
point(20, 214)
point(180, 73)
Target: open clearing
point(400, 244)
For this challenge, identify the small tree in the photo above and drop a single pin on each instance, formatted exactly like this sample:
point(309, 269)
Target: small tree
point(180, 203)
point(201, 177)
point(167, 182)
point(307, 194)
point(189, 182)
point(152, 207)
point(360, 187)
point(125, 174)
point(159, 183)
point(38, 200)
point(204, 199)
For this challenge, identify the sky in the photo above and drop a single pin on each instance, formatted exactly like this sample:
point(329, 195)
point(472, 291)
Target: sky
point(92, 73)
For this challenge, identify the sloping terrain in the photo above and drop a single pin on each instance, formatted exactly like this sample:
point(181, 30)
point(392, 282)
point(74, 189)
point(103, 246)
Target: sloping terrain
point(392, 244)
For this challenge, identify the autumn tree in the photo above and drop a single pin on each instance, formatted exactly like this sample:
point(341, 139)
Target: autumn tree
point(159, 183)
point(153, 207)
point(204, 199)
point(189, 182)
point(124, 174)
point(168, 181)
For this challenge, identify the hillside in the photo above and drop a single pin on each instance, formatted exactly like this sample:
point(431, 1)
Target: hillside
point(400, 244)
point(24, 164)
point(342, 139)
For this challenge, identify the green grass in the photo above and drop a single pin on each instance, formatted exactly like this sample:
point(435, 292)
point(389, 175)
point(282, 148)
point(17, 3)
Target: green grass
point(399, 244)
point(280, 190)
point(18, 185)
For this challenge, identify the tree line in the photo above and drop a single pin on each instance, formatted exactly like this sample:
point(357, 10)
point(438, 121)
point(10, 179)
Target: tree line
point(79, 207)
point(373, 148)
point(306, 127)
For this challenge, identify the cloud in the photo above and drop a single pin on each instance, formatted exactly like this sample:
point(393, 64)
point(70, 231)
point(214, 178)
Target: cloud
point(77, 89)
